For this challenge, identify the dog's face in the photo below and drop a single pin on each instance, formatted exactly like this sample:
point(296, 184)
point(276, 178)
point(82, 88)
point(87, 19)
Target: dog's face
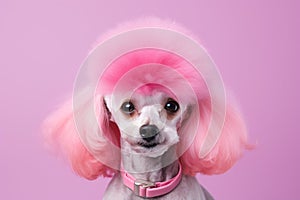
point(148, 123)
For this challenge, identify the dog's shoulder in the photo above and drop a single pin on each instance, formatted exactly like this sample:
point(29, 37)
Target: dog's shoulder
point(189, 189)
point(116, 189)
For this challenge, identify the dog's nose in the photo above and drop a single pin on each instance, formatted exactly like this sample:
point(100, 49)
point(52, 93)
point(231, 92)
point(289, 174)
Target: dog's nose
point(148, 132)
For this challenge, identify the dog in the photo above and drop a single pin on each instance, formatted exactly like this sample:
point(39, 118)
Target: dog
point(152, 123)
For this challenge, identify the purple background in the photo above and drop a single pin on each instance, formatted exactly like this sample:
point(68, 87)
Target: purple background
point(255, 44)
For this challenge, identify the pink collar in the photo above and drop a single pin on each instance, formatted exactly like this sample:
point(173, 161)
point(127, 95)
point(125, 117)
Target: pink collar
point(149, 189)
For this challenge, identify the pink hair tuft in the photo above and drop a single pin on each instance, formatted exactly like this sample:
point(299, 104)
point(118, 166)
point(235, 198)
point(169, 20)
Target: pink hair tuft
point(61, 133)
point(226, 152)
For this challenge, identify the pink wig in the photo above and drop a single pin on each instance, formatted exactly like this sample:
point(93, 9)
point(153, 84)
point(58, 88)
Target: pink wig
point(97, 137)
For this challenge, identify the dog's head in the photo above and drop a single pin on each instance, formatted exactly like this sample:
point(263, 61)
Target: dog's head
point(146, 102)
point(149, 120)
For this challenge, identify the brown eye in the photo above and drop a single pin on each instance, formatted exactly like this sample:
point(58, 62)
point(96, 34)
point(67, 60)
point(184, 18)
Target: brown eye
point(172, 106)
point(128, 107)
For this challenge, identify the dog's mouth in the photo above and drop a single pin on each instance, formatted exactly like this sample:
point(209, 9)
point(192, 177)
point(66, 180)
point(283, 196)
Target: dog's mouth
point(148, 144)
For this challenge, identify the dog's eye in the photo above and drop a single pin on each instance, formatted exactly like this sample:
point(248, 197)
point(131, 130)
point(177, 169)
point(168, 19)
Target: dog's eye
point(127, 107)
point(172, 106)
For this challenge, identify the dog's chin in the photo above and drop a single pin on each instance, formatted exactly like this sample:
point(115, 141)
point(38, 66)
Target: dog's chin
point(152, 150)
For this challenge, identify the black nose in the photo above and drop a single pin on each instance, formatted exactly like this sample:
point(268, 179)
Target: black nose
point(148, 132)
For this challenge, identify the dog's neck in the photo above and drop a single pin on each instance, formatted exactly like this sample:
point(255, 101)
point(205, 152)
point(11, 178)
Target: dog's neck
point(161, 168)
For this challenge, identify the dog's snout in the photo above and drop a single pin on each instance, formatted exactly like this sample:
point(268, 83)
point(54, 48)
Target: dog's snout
point(148, 132)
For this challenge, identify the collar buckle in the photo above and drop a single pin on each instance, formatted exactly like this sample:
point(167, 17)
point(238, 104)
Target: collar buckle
point(140, 187)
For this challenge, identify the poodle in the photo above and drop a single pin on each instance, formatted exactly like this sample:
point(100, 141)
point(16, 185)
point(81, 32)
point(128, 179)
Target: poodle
point(149, 109)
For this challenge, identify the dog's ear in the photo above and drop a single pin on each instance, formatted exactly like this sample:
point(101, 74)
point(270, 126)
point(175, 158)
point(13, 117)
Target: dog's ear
point(107, 103)
point(229, 147)
point(87, 142)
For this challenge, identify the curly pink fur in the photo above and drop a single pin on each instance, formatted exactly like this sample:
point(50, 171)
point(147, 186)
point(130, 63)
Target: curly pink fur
point(60, 129)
